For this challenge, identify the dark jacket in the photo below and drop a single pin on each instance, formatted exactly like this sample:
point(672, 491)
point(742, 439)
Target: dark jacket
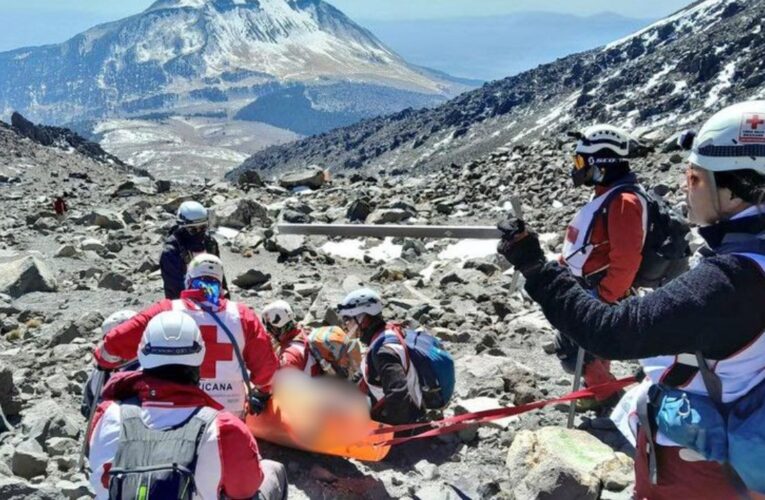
point(716, 308)
point(178, 251)
point(384, 369)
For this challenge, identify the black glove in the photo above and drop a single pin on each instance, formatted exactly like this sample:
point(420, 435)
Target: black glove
point(257, 403)
point(520, 247)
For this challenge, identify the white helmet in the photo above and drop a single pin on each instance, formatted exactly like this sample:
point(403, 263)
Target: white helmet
point(600, 138)
point(192, 213)
point(204, 265)
point(116, 319)
point(278, 316)
point(362, 301)
point(732, 139)
point(171, 338)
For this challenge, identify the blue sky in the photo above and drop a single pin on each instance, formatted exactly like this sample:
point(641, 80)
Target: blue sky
point(36, 22)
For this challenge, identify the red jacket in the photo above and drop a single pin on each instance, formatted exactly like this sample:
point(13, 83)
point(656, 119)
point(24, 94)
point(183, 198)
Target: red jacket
point(220, 373)
point(228, 460)
point(294, 353)
point(621, 237)
point(59, 206)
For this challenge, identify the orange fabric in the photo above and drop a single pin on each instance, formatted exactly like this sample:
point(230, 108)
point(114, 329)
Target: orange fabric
point(619, 245)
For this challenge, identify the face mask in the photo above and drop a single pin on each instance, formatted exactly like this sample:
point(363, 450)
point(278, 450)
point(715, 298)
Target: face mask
point(211, 288)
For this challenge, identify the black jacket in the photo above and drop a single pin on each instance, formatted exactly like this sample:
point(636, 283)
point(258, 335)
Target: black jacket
point(716, 308)
point(384, 369)
point(178, 251)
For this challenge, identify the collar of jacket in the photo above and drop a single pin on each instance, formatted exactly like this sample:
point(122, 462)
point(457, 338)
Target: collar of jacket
point(156, 392)
point(723, 236)
point(195, 299)
point(286, 339)
point(630, 178)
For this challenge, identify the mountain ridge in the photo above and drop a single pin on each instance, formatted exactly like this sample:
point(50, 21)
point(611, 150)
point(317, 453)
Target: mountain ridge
point(669, 75)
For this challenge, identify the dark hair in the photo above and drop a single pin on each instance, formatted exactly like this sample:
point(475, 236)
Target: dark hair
point(749, 185)
point(180, 374)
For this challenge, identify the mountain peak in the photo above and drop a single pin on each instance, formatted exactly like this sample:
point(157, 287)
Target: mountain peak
point(198, 4)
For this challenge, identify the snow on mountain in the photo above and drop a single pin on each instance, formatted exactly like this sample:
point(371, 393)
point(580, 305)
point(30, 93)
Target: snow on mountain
point(666, 77)
point(202, 57)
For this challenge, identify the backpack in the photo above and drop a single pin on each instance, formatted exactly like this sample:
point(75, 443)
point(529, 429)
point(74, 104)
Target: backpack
point(729, 433)
point(157, 464)
point(435, 366)
point(665, 250)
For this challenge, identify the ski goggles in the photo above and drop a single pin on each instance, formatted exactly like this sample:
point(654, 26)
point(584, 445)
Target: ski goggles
point(210, 286)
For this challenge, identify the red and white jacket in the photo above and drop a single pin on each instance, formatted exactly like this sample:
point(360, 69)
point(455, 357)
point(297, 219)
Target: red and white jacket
point(228, 460)
point(294, 353)
point(221, 376)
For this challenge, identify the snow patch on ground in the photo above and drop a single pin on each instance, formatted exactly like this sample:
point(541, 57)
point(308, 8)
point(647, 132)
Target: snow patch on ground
point(723, 82)
point(469, 249)
point(356, 249)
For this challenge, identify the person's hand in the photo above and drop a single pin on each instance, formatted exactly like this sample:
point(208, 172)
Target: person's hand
point(519, 246)
point(257, 403)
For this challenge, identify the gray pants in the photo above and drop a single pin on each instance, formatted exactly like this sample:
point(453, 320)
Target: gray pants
point(274, 485)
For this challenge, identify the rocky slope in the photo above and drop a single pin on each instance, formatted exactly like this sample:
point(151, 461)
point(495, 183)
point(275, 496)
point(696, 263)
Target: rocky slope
point(59, 279)
point(668, 76)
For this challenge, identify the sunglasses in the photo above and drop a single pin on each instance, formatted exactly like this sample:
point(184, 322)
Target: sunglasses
point(196, 229)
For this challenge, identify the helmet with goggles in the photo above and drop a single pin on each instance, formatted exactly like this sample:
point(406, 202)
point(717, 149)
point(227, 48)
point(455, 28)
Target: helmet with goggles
point(601, 154)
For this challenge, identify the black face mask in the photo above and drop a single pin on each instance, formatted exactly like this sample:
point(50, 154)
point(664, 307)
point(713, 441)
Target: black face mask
point(189, 239)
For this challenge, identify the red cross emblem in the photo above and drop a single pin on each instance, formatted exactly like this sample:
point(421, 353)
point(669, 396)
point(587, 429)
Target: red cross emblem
point(214, 351)
point(755, 121)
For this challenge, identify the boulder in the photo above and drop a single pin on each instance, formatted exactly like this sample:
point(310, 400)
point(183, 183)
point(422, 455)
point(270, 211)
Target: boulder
point(93, 245)
point(313, 177)
point(25, 275)
point(173, 205)
point(74, 490)
point(147, 265)
point(115, 281)
point(47, 419)
point(287, 245)
point(243, 213)
point(83, 327)
point(105, 219)
point(10, 403)
point(68, 250)
point(250, 178)
point(359, 210)
point(252, 278)
point(389, 216)
point(29, 460)
point(6, 305)
point(162, 186)
point(554, 462)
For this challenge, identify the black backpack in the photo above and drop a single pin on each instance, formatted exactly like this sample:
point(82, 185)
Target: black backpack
point(157, 464)
point(666, 250)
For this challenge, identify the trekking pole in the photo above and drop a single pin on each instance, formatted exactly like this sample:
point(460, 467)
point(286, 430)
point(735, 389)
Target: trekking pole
point(517, 212)
point(577, 386)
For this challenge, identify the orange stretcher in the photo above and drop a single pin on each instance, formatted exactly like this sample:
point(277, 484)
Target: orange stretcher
point(298, 422)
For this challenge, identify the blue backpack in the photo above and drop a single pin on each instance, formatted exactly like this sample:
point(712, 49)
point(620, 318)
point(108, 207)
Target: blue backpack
point(729, 433)
point(435, 366)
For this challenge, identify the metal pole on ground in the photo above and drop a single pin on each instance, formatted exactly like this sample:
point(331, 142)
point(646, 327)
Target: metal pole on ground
point(577, 385)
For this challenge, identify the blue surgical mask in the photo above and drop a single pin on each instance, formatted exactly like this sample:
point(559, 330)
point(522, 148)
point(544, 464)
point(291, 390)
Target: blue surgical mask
point(210, 286)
